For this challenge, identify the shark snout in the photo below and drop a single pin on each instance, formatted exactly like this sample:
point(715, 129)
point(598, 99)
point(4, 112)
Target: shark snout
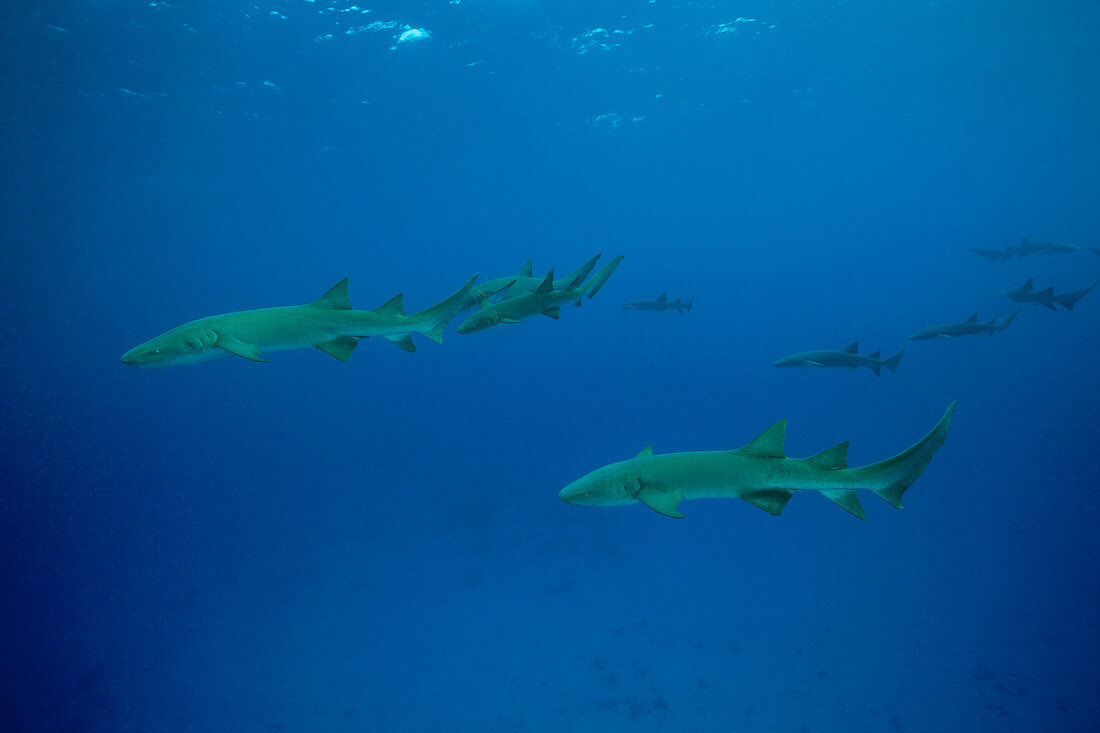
point(129, 358)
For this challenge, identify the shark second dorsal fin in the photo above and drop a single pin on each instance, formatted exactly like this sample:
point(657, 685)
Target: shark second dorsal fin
point(1048, 291)
point(852, 348)
point(336, 298)
point(770, 500)
point(769, 444)
point(527, 270)
point(832, 459)
point(973, 318)
point(645, 452)
point(662, 297)
point(395, 306)
point(546, 285)
point(662, 501)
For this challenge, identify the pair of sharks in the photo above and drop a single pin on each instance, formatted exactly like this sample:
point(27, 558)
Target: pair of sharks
point(1027, 293)
point(333, 326)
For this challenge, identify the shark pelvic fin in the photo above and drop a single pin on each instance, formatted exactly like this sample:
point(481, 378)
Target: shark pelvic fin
point(769, 444)
point(336, 298)
point(395, 306)
point(339, 348)
point(834, 458)
point(847, 499)
point(661, 501)
point(239, 348)
point(770, 500)
point(554, 312)
point(404, 342)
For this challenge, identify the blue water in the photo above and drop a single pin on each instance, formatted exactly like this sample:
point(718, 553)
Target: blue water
point(306, 545)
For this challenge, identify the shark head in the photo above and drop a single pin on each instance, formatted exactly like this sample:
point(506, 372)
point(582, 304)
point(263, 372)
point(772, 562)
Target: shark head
point(787, 362)
point(483, 319)
point(181, 345)
point(616, 484)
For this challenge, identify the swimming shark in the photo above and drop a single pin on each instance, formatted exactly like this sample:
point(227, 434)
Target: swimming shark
point(847, 358)
point(328, 323)
point(970, 327)
point(759, 473)
point(545, 300)
point(1027, 293)
point(1027, 248)
point(661, 304)
point(520, 284)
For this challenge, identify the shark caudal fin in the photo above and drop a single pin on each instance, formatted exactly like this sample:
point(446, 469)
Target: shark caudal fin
point(600, 278)
point(432, 321)
point(890, 478)
point(893, 361)
point(1068, 300)
point(691, 302)
point(1003, 324)
point(581, 272)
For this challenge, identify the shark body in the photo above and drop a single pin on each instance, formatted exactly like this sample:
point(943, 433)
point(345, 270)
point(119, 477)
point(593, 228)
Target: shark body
point(329, 324)
point(759, 473)
point(503, 288)
point(661, 304)
point(970, 327)
point(1027, 293)
point(1027, 248)
point(545, 300)
point(847, 358)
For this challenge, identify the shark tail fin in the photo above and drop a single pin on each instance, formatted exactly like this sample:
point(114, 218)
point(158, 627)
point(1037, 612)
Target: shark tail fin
point(600, 278)
point(890, 478)
point(1007, 320)
point(691, 302)
point(435, 319)
point(578, 276)
point(1068, 300)
point(893, 361)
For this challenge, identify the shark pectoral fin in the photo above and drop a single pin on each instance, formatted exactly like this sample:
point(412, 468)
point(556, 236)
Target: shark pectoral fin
point(814, 363)
point(847, 499)
point(944, 335)
point(509, 319)
point(662, 501)
point(770, 500)
point(554, 312)
point(404, 342)
point(240, 348)
point(339, 348)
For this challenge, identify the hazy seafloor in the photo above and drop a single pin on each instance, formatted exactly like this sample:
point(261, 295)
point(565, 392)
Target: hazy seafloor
point(306, 545)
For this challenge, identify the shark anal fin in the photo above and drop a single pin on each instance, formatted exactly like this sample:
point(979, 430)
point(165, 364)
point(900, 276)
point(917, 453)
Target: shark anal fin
point(339, 348)
point(404, 342)
point(769, 444)
point(847, 499)
point(554, 312)
point(834, 458)
point(336, 298)
point(395, 306)
point(239, 348)
point(770, 500)
point(662, 501)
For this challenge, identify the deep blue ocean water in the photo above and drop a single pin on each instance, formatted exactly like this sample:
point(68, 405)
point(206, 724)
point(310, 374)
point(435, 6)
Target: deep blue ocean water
point(306, 545)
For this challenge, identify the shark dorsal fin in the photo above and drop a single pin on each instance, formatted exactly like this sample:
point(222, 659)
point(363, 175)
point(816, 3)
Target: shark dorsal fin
point(876, 355)
point(973, 318)
point(662, 297)
point(546, 285)
point(645, 452)
point(395, 306)
point(769, 444)
point(1048, 291)
point(834, 458)
point(336, 298)
point(1024, 241)
point(852, 348)
point(527, 270)
point(1028, 285)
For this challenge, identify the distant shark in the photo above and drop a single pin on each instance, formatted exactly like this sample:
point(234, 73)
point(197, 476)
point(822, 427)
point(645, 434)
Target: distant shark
point(545, 300)
point(847, 358)
point(759, 473)
point(1027, 248)
point(970, 327)
point(1027, 293)
point(661, 304)
point(502, 288)
point(329, 324)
